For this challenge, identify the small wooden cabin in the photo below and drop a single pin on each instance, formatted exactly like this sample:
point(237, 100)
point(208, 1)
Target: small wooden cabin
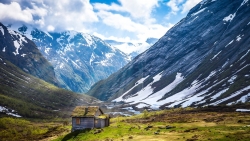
point(84, 117)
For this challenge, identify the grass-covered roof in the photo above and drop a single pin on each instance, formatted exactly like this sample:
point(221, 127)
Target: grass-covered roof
point(85, 111)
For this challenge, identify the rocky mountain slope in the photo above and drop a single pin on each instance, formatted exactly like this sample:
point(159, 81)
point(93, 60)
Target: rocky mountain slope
point(203, 60)
point(23, 95)
point(23, 53)
point(79, 59)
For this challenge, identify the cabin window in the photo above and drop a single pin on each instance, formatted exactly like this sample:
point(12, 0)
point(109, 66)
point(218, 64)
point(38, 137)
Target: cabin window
point(78, 121)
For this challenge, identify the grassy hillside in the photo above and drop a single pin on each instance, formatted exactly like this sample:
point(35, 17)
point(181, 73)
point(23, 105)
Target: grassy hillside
point(34, 98)
point(175, 124)
point(13, 129)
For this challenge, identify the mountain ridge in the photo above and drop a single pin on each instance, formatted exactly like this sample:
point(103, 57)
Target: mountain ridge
point(197, 50)
point(24, 95)
point(22, 52)
point(79, 59)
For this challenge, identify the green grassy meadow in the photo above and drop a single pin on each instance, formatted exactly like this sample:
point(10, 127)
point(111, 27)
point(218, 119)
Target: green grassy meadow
point(169, 125)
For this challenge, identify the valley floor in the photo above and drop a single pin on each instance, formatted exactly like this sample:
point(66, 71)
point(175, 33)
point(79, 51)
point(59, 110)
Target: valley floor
point(169, 125)
point(214, 123)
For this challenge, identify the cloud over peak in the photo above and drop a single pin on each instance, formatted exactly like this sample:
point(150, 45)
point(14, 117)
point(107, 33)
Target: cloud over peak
point(15, 14)
point(128, 20)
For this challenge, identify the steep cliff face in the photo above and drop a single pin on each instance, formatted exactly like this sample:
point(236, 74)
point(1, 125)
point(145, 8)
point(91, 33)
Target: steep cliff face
point(22, 52)
point(202, 60)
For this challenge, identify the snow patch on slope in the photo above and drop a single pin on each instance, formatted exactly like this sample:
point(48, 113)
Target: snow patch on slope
point(1, 29)
point(48, 35)
point(109, 55)
point(231, 80)
point(9, 111)
point(229, 18)
point(4, 49)
point(184, 94)
point(196, 13)
point(17, 43)
point(244, 98)
point(71, 35)
point(231, 96)
point(229, 43)
point(244, 2)
point(242, 110)
point(188, 96)
point(216, 55)
point(158, 95)
point(238, 38)
point(245, 54)
point(17, 46)
point(141, 105)
point(47, 50)
point(219, 94)
point(142, 94)
point(88, 39)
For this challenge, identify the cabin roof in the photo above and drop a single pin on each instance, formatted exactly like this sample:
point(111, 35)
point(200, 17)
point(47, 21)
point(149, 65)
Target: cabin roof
point(85, 111)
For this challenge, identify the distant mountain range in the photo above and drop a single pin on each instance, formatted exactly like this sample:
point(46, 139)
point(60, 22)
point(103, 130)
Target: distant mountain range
point(79, 59)
point(203, 60)
point(136, 46)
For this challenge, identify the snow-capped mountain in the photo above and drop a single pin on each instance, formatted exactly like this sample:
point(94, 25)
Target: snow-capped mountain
point(203, 60)
point(133, 49)
point(22, 52)
point(79, 59)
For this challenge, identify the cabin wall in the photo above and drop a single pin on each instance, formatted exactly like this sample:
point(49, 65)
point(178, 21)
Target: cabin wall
point(85, 122)
point(107, 120)
point(99, 123)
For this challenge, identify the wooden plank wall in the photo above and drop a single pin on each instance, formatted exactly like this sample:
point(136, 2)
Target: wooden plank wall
point(86, 122)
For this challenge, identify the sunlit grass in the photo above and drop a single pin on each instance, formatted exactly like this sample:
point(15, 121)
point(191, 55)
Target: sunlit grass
point(186, 125)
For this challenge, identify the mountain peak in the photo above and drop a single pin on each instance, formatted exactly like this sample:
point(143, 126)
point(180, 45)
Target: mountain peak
point(22, 52)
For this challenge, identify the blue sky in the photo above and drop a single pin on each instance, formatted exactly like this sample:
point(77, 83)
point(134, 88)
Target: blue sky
point(120, 20)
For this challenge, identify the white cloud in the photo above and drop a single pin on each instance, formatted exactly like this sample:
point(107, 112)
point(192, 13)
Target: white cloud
point(62, 15)
point(68, 14)
point(139, 21)
point(120, 22)
point(176, 6)
point(13, 12)
point(173, 5)
point(136, 47)
point(38, 11)
point(139, 8)
point(105, 7)
point(132, 20)
point(189, 4)
point(142, 31)
point(125, 45)
point(50, 28)
point(118, 39)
